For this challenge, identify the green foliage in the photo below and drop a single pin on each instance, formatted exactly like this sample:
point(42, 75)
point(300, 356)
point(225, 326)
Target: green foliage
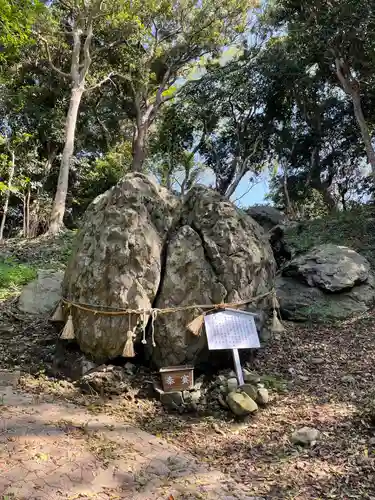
point(13, 276)
point(17, 18)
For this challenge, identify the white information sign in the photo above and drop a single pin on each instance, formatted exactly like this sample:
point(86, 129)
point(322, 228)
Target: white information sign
point(231, 329)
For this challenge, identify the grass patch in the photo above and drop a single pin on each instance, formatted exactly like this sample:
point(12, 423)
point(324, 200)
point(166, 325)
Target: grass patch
point(277, 384)
point(13, 277)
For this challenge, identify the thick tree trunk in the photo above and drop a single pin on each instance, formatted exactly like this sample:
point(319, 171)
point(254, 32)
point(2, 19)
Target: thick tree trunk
point(139, 145)
point(358, 112)
point(7, 196)
point(58, 209)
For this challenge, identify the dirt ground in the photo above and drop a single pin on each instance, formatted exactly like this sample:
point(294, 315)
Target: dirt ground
point(321, 377)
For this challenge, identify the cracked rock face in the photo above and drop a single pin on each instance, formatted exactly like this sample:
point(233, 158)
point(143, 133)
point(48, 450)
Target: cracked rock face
point(140, 246)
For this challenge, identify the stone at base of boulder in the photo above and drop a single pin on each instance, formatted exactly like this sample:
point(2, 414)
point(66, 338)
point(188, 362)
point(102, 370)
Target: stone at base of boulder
point(241, 404)
point(106, 379)
point(262, 396)
point(232, 384)
point(249, 389)
point(172, 400)
point(250, 377)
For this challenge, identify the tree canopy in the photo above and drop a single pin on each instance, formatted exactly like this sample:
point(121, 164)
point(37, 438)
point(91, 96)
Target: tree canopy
point(214, 92)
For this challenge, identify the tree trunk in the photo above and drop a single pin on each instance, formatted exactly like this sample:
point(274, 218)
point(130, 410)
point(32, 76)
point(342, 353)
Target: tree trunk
point(139, 144)
point(28, 196)
point(58, 209)
point(358, 112)
point(351, 86)
point(328, 199)
point(288, 205)
point(7, 196)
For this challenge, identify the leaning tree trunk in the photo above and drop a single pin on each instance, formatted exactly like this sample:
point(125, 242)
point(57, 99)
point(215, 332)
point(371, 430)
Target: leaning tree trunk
point(351, 86)
point(7, 196)
point(358, 112)
point(58, 209)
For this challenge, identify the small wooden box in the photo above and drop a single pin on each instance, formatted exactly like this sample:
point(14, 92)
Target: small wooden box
point(177, 378)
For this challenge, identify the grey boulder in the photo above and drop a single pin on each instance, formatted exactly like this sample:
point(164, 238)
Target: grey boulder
point(42, 295)
point(331, 268)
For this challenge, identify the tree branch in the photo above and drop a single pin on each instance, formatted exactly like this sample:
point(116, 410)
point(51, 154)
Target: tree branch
point(86, 50)
point(99, 84)
point(55, 68)
point(74, 67)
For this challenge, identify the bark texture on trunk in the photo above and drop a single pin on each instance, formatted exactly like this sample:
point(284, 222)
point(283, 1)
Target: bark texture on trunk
point(139, 145)
point(58, 209)
point(360, 117)
point(351, 86)
point(7, 196)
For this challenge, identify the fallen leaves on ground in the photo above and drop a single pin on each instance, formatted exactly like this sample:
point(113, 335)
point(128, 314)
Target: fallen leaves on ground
point(335, 396)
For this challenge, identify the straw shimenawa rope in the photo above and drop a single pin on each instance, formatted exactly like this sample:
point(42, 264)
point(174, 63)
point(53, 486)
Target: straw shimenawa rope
point(194, 326)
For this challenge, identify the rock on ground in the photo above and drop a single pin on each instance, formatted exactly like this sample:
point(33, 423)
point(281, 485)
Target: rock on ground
point(331, 268)
point(241, 404)
point(305, 436)
point(140, 246)
point(41, 295)
point(327, 283)
point(300, 302)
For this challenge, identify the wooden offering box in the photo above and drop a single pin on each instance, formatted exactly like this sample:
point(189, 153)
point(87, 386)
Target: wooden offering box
point(177, 378)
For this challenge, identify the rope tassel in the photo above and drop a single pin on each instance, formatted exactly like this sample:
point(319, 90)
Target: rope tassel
point(68, 331)
point(128, 351)
point(196, 325)
point(58, 315)
point(276, 326)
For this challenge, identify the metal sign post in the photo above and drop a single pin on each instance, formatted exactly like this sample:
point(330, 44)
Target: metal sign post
point(232, 329)
point(237, 366)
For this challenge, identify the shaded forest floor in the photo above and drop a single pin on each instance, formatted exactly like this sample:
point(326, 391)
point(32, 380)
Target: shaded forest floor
point(320, 376)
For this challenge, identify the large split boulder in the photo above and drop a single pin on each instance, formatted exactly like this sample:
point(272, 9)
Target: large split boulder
point(328, 282)
point(141, 247)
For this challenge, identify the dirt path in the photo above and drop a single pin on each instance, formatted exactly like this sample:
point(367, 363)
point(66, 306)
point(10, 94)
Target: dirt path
point(59, 451)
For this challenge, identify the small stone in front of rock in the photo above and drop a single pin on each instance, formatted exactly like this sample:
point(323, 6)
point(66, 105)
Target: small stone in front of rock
point(222, 401)
point(306, 436)
point(172, 400)
point(129, 368)
point(262, 396)
point(250, 390)
point(317, 361)
point(195, 396)
point(232, 384)
point(198, 383)
point(241, 404)
point(348, 379)
point(87, 365)
point(250, 377)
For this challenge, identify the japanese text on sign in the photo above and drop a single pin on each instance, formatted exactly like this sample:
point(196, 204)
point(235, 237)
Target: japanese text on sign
point(231, 330)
